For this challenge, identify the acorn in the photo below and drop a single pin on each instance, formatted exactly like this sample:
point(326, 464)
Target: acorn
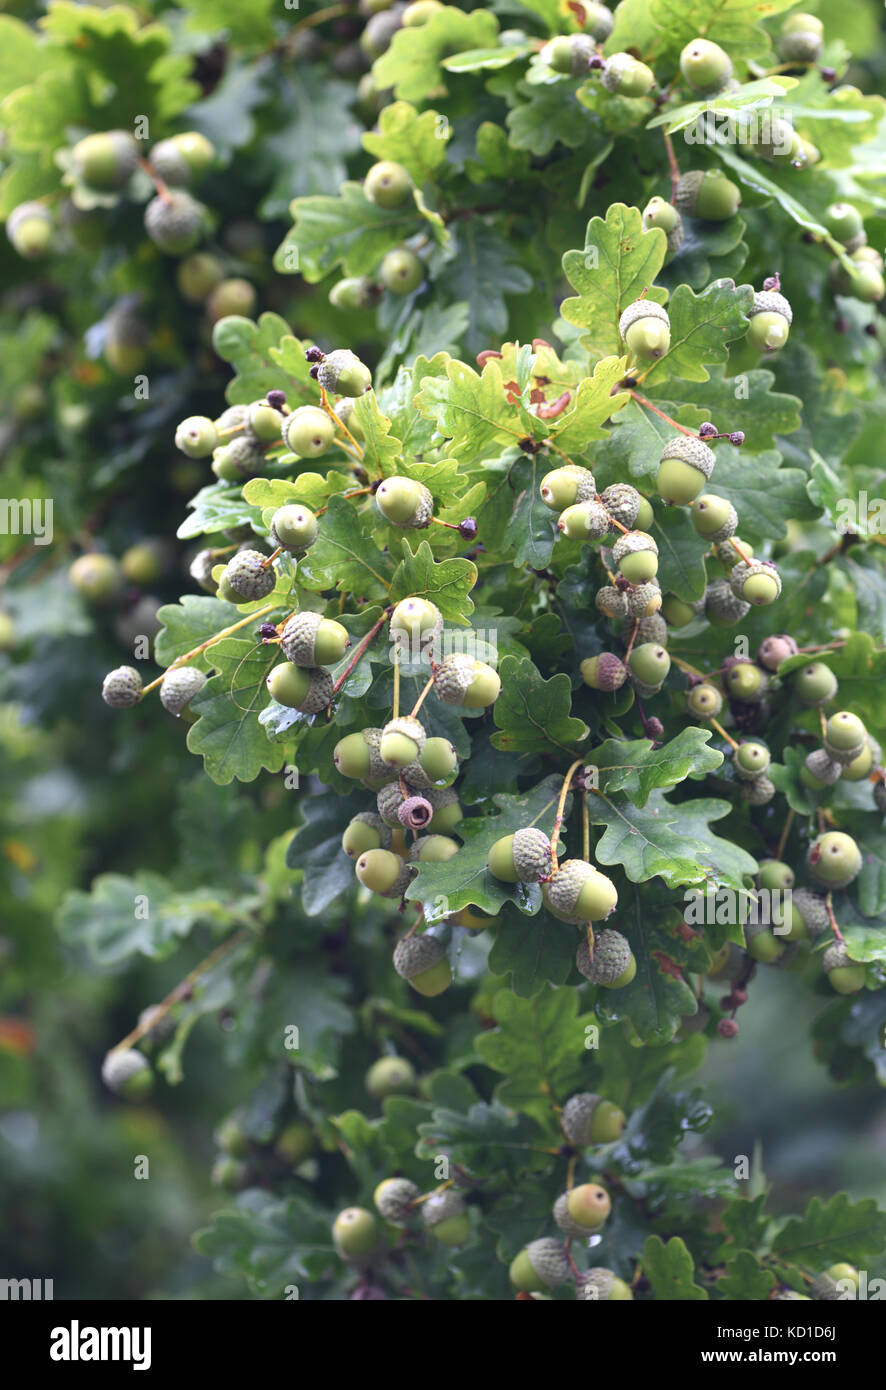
point(820, 770)
point(445, 1215)
point(623, 503)
point(714, 518)
point(564, 487)
point(383, 873)
point(586, 521)
point(402, 741)
point(612, 965)
point(582, 1209)
point(636, 556)
point(601, 1285)
point(845, 975)
point(309, 639)
point(645, 329)
point(541, 1265)
point(395, 1199)
point(801, 39)
point(604, 672)
point(577, 892)
point(722, 608)
point(708, 194)
point(422, 961)
point(771, 317)
point(758, 583)
point(524, 857)
point(611, 601)
point(685, 465)
point(664, 215)
point(588, 1119)
point(844, 737)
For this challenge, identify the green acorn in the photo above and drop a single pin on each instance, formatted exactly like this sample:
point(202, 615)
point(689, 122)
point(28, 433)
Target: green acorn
point(295, 1143)
point(834, 859)
point(636, 556)
point(460, 680)
point(601, 1285)
point(721, 606)
point(650, 630)
point(196, 436)
point(844, 737)
point(775, 649)
point(422, 961)
point(447, 810)
point(439, 761)
point(707, 194)
point(401, 271)
point(174, 223)
point(762, 944)
point(586, 521)
point(604, 672)
point(588, 1119)
point(30, 230)
point(706, 66)
point(300, 687)
point(354, 292)
point(773, 875)
point(249, 576)
point(105, 160)
point(294, 527)
point(342, 373)
point(570, 54)
point(626, 76)
point(750, 760)
point(96, 577)
point(391, 1076)
point(645, 329)
point(356, 1235)
point(649, 665)
point(612, 965)
point(309, 639)
point(564, 487)
point(179, 686)
point(758, 583)
point(419, 12)
point(583, 1209)
point(845, 222)
point(232, 297)
point(801, 39)
point(379, 32)
point(596, 19)
point(864, 762)
point(122, 688)
point(395, 1198)
point(845, 975)
point(182, 158)
point(383, 873)
point(127, 1073)
point(402, 741)
point(704, 700)
point(577, 892)
point(814, 684)
point(238, 460)
point(405, 503)
point(746, 681)
point(541, 1265)
point(685, 465)
point(771, 317)
point(659, 213)
point(432, 849)
point(388, 184)
point(714, 518)
point(524, 857)
point(197, 276)
point(678, 613)
point(364, 832)
point(308, 431)
point(445, 1215)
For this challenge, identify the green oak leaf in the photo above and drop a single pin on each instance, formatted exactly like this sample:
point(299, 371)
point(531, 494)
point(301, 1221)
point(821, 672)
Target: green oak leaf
point(417, 140)
point(670, 1270)
point(638, 767)
point(620, 261)
point(412, 65)
point(447, 583)
point(702, 326)
point(539, 1047)
point(345, 556)
point(533, 714)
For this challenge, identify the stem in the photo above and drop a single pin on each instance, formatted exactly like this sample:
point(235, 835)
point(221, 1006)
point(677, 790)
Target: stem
point(633, 637)
point(832, 919)
point(641, 400)
point(585, 829)
point(330, 12)
point(175, 995)
point(783, 838)
point(324, 400)
point(266, 564)
point(738, 550)
point(358, 492)
point(396, 710)
point(364, 643)
point(673, 166)
point(561, 806)
point(225, 632)
point(161, 188)
point(421, 699)
point(690, 670)
point(723, 734)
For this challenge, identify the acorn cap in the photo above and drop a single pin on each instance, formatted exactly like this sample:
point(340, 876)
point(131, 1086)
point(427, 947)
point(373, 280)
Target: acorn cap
point(394, 1198)
point(249, 575)
point(622, 502)
point(532, 854)
point(577, 1115)
point(686, 195)
point(823, 767)
point(377, 765)
point(641, 309)
point(812, 908)
point(120, 1066)
point(320, 691)
point(653, 628)
point(453, 677)
point(604, 672)
point(562, 892)
point(611, 601)
point(611, 958)
point(596, 1285)
point(122, 688)
point(179, 686)
point(415, 954)
point(689, 450)
point(758, 792)
point(297, 638)
point(836, 956)
point(633, 542)
point(389, 800)
point(769, 302)
point(440, 1206)
point(548, 1259)
point(409, 726)
point(844, 756)
point(722, 605)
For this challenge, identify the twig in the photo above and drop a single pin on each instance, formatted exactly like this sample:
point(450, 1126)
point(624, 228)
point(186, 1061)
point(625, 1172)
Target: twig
point(561, 806)
point(364, 643)
point(217, 637)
